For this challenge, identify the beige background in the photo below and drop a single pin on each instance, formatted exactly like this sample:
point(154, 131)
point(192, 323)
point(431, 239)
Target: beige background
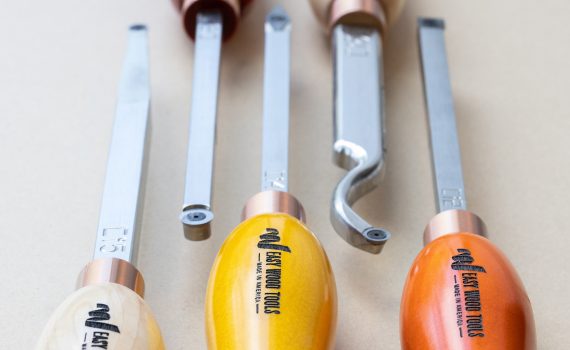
point(59, 68)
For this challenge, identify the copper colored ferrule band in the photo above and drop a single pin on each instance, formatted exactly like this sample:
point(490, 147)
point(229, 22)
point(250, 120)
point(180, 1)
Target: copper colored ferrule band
point(230, 10)
point(357, 12)
point(268, 202)
point(112, 270)
point(454, 221)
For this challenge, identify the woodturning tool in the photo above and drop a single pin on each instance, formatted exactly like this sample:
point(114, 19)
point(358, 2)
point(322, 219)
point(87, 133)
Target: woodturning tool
point(271, 286)
point(207, 22)
point(358, 28)
point(107, 311)
point(461, 293)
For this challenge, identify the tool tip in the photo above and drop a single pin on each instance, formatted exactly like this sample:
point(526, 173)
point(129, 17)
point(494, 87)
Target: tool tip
point(431, 22)
point(196, 223)
point(138, 27)
point(278, 18)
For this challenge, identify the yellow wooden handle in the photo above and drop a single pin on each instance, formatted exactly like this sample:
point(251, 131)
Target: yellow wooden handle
point(271, 287)
point(106, 316)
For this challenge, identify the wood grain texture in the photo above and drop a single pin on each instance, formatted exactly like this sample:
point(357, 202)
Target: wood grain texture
point(59, 70)
point(462, 293)
point(271, 288)
point(107, 316)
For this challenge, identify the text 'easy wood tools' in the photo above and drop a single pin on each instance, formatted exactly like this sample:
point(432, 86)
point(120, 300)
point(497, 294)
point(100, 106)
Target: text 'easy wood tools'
point(461, 293)
point(271, 286)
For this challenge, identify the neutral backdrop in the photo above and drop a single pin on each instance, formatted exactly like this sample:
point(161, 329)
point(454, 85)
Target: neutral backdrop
point(59, 69)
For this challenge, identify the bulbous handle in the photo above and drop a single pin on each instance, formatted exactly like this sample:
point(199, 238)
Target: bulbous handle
point(109, 316)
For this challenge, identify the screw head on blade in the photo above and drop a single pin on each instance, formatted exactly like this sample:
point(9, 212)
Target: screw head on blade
point(196, 223)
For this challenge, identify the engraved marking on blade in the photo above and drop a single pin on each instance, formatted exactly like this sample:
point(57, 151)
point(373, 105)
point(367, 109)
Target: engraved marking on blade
point(114, 239)
point(278, 179)
point(453, 198)
point(209, 31)
point(358, 43)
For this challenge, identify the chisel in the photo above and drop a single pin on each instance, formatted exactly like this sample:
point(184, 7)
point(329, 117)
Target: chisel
point(208, 22)
point(107, 311)
point(271, 285)
point(357, 28)
point(461, 293)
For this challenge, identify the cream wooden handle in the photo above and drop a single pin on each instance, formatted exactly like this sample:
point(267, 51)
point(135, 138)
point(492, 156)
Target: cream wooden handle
point(105, 316)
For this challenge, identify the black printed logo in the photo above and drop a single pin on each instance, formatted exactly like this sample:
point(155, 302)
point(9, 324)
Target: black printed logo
point(268, 272)
point(464, 262)
point(467, 294)
point(268, 240)
point(98, 316)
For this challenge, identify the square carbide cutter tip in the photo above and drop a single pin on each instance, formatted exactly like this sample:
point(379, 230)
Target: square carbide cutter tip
point(431, 22)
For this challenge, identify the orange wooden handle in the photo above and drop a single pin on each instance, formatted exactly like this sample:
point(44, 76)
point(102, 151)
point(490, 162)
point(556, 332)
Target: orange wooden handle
point(462, 293)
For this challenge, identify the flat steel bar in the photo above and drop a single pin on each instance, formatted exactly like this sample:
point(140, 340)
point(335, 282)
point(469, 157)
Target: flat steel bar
point(446, 154)
point(118, 232)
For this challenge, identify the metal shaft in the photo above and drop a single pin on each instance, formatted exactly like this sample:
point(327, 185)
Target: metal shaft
point(276, 101)
point(197, 210)
point(118, 232)
point(446, 156)
point(358, 127)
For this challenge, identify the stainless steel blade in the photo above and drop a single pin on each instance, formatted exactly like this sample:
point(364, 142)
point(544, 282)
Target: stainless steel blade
point(358, 130)
point(276, 92)
point(197, 210)
point(446, 155)
point(118, 232)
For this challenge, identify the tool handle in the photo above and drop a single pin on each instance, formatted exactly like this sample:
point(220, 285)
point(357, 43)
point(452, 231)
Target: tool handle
point(107, 315)
point(377, 13)
point(271, 287)
point(230, 10)
point(462, 293)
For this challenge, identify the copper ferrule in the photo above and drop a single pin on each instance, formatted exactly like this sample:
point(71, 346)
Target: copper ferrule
point(268, 202)
point(378, 13)
point(230, 10)
point(357, 12)
point(112, 270)
point(454, 221)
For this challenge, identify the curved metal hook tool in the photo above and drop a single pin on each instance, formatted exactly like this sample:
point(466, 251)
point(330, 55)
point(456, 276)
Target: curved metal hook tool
point(358, 145)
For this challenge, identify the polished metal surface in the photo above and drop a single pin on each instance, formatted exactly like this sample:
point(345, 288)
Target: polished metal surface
point(117, 235)
point(276, 101)
point(196, 213)
point(446, 156)
point(271, 202)
point(358, 130)
point(451, 222)
point(118, 232)
point(112, 270)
